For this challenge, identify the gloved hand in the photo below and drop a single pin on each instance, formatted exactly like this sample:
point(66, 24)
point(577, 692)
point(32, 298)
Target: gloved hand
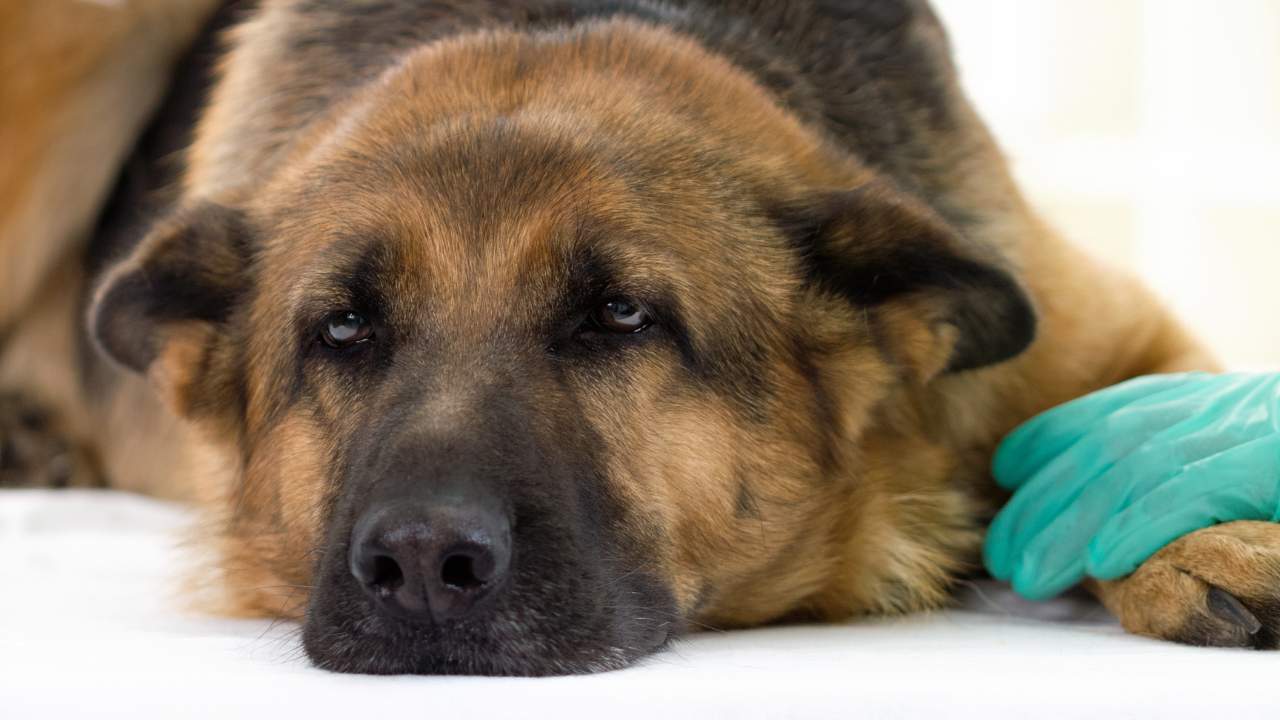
point(1102, 483)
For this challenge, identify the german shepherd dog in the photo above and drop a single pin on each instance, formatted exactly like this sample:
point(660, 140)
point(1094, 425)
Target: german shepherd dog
point(521, 337)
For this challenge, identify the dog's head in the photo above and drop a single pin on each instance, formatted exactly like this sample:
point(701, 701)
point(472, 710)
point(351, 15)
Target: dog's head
point(527, 386)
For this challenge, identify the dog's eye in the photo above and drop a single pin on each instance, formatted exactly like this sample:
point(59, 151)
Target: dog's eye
point(345, 328)
point(621, 315)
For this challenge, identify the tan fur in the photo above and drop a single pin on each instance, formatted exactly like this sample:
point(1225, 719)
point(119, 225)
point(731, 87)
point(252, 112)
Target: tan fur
point(79, 81)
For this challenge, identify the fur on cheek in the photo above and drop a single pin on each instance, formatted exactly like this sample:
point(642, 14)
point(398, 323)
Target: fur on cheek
point(175, 371)
point(261, 528)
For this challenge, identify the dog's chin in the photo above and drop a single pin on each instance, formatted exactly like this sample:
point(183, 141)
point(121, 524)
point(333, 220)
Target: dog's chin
point(347, 655)
point(369, 647)
point(522, 636)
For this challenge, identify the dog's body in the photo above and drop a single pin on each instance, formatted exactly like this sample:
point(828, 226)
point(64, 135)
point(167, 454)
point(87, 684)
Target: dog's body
point(820, 289)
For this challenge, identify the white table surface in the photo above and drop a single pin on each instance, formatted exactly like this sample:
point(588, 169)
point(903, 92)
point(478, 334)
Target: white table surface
point(90, 627)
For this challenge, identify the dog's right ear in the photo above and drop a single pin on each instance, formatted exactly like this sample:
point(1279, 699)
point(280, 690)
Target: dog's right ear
point(162, 310)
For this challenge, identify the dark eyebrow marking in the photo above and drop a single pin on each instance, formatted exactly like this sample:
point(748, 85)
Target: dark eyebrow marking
point(594, 277)
point(366, 279)
point(355, 282)
point(590, 278)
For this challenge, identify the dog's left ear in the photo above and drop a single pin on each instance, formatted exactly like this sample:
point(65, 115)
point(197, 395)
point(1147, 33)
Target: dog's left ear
point(945, 304)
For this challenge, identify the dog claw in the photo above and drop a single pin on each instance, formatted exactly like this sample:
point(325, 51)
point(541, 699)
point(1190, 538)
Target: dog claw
point(1225, 605)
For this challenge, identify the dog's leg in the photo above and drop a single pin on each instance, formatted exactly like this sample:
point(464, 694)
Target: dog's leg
point(1219, 586)
point(36, 452)
point(44, 424)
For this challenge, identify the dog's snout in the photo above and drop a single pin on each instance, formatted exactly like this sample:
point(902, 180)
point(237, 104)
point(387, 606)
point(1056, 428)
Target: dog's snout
point(430, 563)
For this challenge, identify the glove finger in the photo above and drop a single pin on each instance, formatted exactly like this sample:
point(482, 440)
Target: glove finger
point(1022, 519)
point(1220, 427)
point(1242, 483)
point(1054, 559)
point(1055, 488)
point(1034, 506)
point(1210, 402)
point(997, 554)
point(1034, 444)
point(1149, 406)
point(1234, 404)
point(1163, 458)
point(1036, 583)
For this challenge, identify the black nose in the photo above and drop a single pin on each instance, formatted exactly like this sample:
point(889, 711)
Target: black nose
point(430, 563)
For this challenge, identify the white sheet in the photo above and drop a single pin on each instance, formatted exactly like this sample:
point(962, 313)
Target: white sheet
point(89, 627)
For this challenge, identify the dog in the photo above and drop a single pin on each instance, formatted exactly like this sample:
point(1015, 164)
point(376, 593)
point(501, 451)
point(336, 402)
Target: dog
point(519, 338)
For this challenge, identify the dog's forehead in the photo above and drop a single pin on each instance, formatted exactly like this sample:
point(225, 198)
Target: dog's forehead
point(492, 214)
point(467, 228)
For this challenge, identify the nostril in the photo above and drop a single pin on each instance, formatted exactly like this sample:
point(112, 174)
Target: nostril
point(422, 563)
point(459, 571)
point(387, 577)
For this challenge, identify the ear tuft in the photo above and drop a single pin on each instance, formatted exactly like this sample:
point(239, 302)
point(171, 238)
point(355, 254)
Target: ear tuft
point(876, 245)
point(190, 268)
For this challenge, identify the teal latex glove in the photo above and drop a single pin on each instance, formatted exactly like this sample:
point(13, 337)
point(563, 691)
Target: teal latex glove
point(1102, 483)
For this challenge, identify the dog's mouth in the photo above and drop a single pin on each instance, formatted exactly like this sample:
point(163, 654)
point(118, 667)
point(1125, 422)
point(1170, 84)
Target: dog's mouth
point(484, 550)
point(505, 647)
point(346, 635)
point(558, 611)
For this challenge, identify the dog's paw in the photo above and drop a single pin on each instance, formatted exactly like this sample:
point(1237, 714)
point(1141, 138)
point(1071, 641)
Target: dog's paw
point(34, 452)
point(1218, 587)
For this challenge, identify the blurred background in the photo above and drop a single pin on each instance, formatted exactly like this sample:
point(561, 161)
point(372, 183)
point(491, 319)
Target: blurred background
point(1148, 131)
